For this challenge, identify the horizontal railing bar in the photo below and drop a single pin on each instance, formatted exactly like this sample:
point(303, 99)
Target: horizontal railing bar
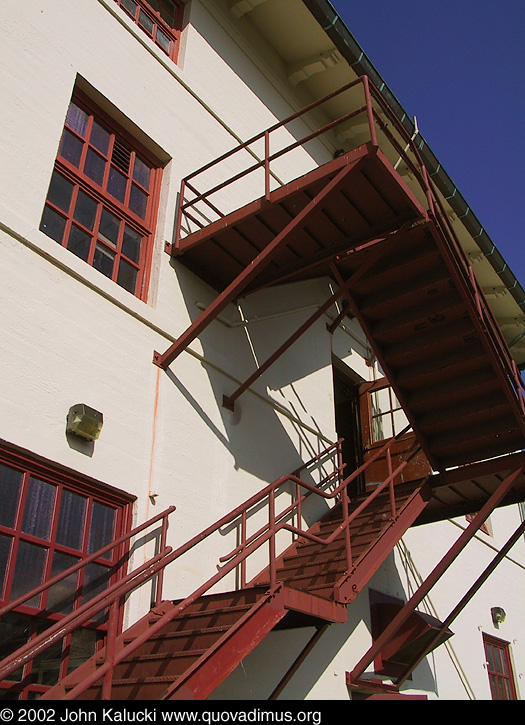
point(83, 562)
point(86, 612)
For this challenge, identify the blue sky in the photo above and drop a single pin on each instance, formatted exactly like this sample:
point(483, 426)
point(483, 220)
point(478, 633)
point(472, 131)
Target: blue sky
point(459, 67)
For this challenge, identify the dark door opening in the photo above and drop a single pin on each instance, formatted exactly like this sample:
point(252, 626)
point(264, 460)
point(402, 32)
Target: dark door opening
point(347, 424)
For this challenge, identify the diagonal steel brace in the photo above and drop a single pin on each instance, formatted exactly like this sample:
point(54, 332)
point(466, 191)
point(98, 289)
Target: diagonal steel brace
point(234, 289)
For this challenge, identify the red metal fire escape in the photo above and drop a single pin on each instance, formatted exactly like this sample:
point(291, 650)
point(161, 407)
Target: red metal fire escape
point(397, 264)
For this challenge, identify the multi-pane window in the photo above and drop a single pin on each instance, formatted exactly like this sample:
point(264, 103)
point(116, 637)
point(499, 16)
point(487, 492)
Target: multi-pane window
point(160, 19)
point(46, 527)
point(499, 667)
point(387, 416)
point(102, 199)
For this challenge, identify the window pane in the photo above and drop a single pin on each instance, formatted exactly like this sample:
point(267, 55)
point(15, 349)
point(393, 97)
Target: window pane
point(5, 550)
point(130, 5)
point(131, 244)
point(85, 210)
point(45, 669)
point(138, 201)
point(53, 224)
point(71, 148)
point(117, 184)
point(146, 23)
point(38, 509)
point(103, 260)
point(127, 276)
point(61, 596)
point(163, 40)
point(71, 520)
point(101, 526)
point(79, 243)
point(15, 630)
point(60, 191)
point(77, 119)
point(141, 173)
point(99, 138)
point(10, 483)
point(109, 228)
point(94, 167)
point(29, 571)
point(83, 645)
point(96, 579)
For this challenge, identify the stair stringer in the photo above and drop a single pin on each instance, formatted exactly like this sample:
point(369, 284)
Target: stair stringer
point(349, 586)
point(205, 675)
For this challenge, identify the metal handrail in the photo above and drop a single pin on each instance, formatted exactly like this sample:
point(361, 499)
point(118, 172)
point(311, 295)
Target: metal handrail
point(371, 93)
point(85, 561)
point(67, 624)
point(268, 536)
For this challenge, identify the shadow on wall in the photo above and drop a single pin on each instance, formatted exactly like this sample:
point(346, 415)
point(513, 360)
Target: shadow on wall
point(332, 656)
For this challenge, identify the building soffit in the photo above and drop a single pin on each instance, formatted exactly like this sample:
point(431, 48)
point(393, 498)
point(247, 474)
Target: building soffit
point(320, 55)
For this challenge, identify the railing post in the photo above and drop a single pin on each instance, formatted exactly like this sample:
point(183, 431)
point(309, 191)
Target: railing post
point(391, 485)
point(267, 165)
point(111, 637)
point(243, 544)
point(369, 111)
point(162, 546)
point(348, 538)
point(178, 223)
point(271, 540)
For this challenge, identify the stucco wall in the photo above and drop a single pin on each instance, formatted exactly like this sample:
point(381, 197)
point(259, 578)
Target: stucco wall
point(69, 335)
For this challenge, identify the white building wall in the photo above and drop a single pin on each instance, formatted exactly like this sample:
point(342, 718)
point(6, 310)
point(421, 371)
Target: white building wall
point(70, 335)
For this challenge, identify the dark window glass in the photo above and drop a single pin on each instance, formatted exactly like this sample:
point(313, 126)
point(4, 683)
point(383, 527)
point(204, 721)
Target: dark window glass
point(38, 510)
point(94, 167)
point(146, 23)
point(71, 148)
point(109, 228)
point(60, 191)
point(85, 210)
point(29, 571)
point(61, 596)
point(127, 276)
point(5, 550)
point(10, 483)
point(71, 520)
point(104, 260)
point(101, 526)
point(100, 138)
point(141, 173)
point(77, 119)
point(117, 184)
point(131, 244)
point(15, 630)
point(53, 224)
point(138, 201)
point(79, 243)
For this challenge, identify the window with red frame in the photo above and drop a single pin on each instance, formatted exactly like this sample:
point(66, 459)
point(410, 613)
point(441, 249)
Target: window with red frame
point(160, 19)
point(103, 197)
point(47, 523)
point(499, 667)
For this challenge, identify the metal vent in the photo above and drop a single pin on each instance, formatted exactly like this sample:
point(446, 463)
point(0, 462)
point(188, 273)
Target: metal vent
point(121, 155)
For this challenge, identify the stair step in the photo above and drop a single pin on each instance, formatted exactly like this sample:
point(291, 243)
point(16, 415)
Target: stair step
point(205, 619)
point(177, 641)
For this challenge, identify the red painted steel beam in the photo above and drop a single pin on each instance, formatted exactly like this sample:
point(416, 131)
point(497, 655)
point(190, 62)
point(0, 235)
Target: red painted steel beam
point(229, 401)
point(436, 574)
point(242, 280)
point(502, 553)
point(220, 660)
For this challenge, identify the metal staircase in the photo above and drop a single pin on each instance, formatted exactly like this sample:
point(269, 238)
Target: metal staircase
point(183, 651)
point(395, 258)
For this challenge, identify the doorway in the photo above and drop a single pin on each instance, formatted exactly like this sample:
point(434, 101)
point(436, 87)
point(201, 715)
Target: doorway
point(347, 421)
